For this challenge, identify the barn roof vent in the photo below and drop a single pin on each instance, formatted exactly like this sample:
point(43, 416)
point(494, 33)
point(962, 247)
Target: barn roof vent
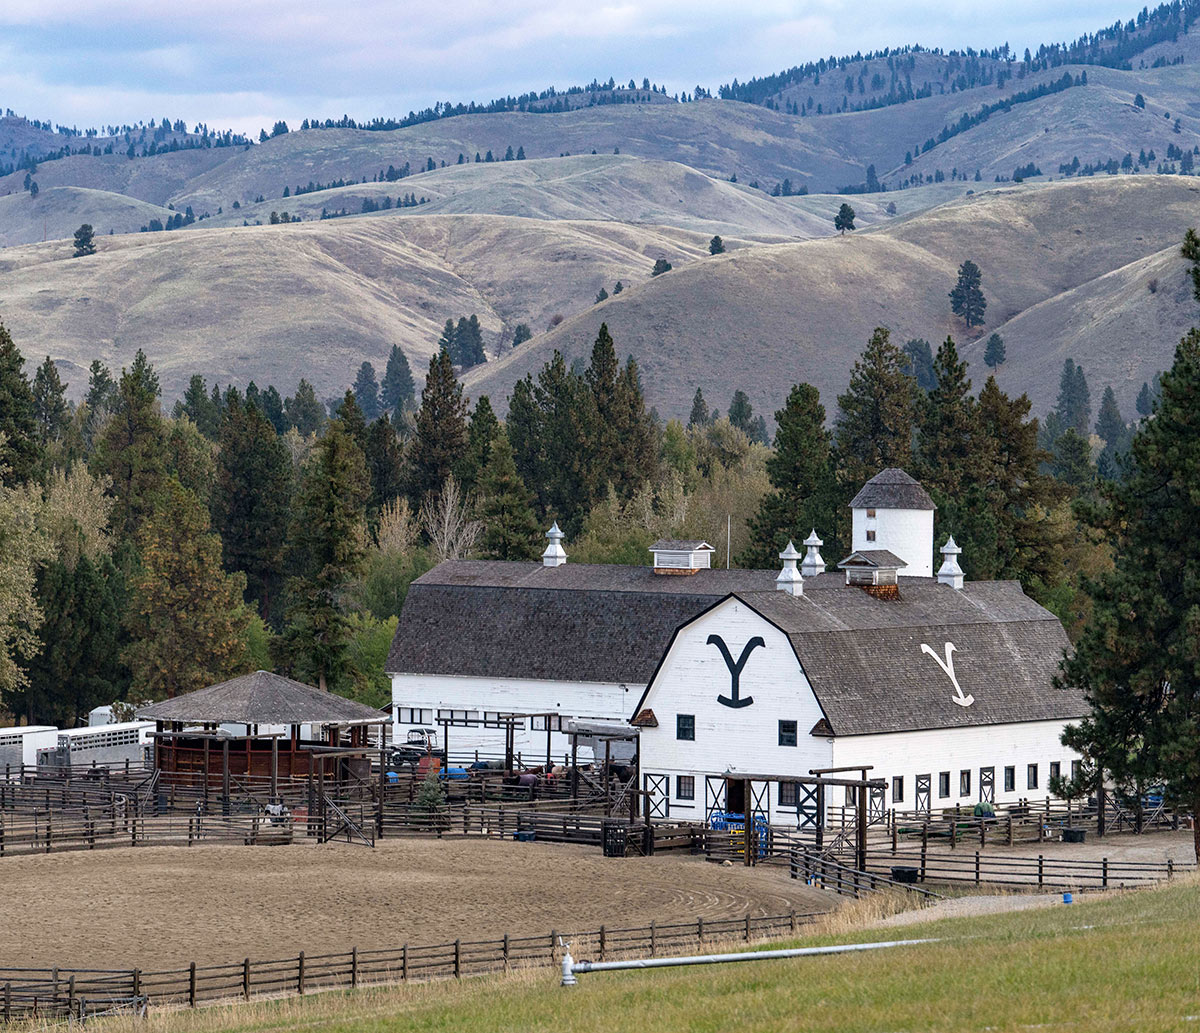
point(681, 555)
point(790, 579)
point(555, 555)
point(950, 573)
point(813, 563)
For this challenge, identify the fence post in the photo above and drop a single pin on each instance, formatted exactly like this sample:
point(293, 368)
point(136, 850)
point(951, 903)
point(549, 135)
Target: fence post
point(506, 947)
point(136, 982)
point(1010, 830)
point(458, 959)
point(354, 966)
point(192, 985)
point(653, 938)
point(300, 973)
point(1170, 869)
point(404, 962)
point(747, 927)
point(8, 1002)
point(553, 940)
point(71, 994)
point(954, 829)
point(792, 916)
point(1104, 872)
point(924, 848)
point(1041, 868)
point(976, 867)
point(893, 832)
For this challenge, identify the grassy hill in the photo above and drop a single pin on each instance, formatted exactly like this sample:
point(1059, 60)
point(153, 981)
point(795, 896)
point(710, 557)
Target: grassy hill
point(803, 311)
point(276, 303)
point(56, 213)
point(1124, 961)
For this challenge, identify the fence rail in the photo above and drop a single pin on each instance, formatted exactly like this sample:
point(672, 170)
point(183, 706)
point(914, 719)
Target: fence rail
point(50, 993)
point(1041, 871)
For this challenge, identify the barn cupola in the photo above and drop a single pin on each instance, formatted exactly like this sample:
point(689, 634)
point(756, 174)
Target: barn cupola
point(790, 579)
point(950, 573)
point(681, 556)
point(813, 563)
point(555, 555)
point(893, 512)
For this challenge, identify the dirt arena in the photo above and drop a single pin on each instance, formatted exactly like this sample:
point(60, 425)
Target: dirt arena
point(162, 907)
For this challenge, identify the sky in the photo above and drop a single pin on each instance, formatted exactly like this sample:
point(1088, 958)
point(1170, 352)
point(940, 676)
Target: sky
point(244, 65)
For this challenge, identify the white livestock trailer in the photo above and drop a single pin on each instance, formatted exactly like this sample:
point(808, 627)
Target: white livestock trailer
point(20, 745)
point(100, 745)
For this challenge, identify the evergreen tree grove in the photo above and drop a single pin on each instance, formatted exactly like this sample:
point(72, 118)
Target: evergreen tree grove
point(510, 528)
point(18, 421)
point(441, 430)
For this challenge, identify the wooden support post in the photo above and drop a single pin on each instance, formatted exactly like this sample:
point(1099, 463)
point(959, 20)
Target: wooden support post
point(653, 938)
point(8, 1002)
point(1041, 869)
point(792, 916)
point(895, 836)
point(458, 959)
point(246, 979)
point(924, 848)
point(976, 867)
point(207, 744)
point(1010, 830)
point(1101, 820)
point(574, 769)
point(274, 767)
point(505, 948)
point(553, 941)
point(820, 815)
point(71, 994)
point(954, 829)
point(404, 962)
point(300, 973)
point(136, 982)
point(747, 926)
point(1104, 872)
point(860, 853)
point(192, 985)
point(354, 966)
point(225, 778)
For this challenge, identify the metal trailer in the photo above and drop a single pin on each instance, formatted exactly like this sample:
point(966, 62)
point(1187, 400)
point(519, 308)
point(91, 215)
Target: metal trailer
point(100, 745)
point(20, 745)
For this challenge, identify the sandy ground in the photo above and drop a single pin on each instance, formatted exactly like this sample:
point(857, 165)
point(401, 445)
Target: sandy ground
point(163, 907)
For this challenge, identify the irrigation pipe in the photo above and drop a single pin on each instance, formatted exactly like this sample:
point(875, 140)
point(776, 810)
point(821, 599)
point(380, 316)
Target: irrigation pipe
point(571, 967)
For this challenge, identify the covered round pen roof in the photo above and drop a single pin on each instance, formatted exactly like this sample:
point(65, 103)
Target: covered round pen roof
point(262, 698)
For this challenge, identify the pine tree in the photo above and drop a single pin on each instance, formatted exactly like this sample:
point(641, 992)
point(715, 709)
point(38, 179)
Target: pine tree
point(468, 343)
point(699, 414)
point(448, 344)
point(510, 529)
point(993, 353)
point(873, 429)
point(1137, 659)
point(481, 433)
point(251, 501)
point(186, 614)
point(601, 295)
point(1072, 462)
point(385, 464)
point(366, 392)
point(19, 452)
point(966, 299)
point(326, 550)
point(803, 493)
point(50, 410)
point(1145, 401)
point(844, 220)
point(741, 412)
point(398, 392)
point(1112, 429)
point(272, 407)
point(304, 411)
point(199, 408)
point(133, 449)
point(635, 457)
point(1074, 408)
point(441, 430)
point(85, 241)
point(24, 547)
point(521, 334)
point(716, 246)
point(920, 363)
point(948, 437)
point(350, 416)
point(661, 265)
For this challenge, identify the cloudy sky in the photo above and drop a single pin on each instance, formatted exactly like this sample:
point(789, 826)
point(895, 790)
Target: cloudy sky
point(243, 65)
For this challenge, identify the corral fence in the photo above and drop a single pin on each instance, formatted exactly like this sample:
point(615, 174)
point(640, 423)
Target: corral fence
point(826, 873)
point(58, 993)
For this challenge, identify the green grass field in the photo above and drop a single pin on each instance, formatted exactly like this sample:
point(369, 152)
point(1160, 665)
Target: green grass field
point(1129, 961)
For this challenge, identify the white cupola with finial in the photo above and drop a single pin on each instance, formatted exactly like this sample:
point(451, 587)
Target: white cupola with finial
point(950, 573)
point(790, 579)
point(813, 563)
point(555, 555)
point(894, 513)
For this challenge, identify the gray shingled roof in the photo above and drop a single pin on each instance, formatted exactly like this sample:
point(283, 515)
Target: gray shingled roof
point(892, 489)
point(261, 698)
point(873, 558)
point(680, 545)
point(612, 624)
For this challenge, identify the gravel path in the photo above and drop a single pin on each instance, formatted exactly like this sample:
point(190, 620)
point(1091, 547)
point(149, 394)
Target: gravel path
point(968, 907)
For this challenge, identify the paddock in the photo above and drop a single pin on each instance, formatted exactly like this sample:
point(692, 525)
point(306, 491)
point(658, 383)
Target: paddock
point(159, 907)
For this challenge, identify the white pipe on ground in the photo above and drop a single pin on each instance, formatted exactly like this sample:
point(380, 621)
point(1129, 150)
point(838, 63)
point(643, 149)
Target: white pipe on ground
point(570, 967)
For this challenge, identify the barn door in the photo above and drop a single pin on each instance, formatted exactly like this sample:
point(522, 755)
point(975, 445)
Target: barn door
point(808, 806)
point(987, 785)
point(923, 794)
point(658, 796)
point(876, 806)
point(714, 796)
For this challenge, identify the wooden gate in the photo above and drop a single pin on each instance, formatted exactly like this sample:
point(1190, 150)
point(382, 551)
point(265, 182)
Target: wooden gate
point(876, 806)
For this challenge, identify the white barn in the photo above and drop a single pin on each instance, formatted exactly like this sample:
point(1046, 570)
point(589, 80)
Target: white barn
point(941, 687)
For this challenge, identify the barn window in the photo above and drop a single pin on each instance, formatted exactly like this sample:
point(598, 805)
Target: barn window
point(1076, 769)
point(685, 787)
point(870, 536)
point(943, 784)
point(789, 794)
point(787, 733)
point(897, 789)
point(964, 783)
point(1031, 777)
point(414, 716)
point(1010, 779)
point(685, 727)
point(1055, 769)
point(870, 514)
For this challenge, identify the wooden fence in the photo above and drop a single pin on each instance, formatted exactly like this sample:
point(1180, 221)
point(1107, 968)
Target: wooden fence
point(26, 993)
point(1027, 872)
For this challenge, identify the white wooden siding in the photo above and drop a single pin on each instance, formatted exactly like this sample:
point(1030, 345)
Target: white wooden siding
point(692, 676)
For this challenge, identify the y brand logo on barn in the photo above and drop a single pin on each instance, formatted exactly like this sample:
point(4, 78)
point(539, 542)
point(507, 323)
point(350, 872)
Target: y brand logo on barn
point(947, 665)
point(735, 669)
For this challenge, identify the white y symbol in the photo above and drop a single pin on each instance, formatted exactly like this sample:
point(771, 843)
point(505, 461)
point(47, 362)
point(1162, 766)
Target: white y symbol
point(947, 665)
